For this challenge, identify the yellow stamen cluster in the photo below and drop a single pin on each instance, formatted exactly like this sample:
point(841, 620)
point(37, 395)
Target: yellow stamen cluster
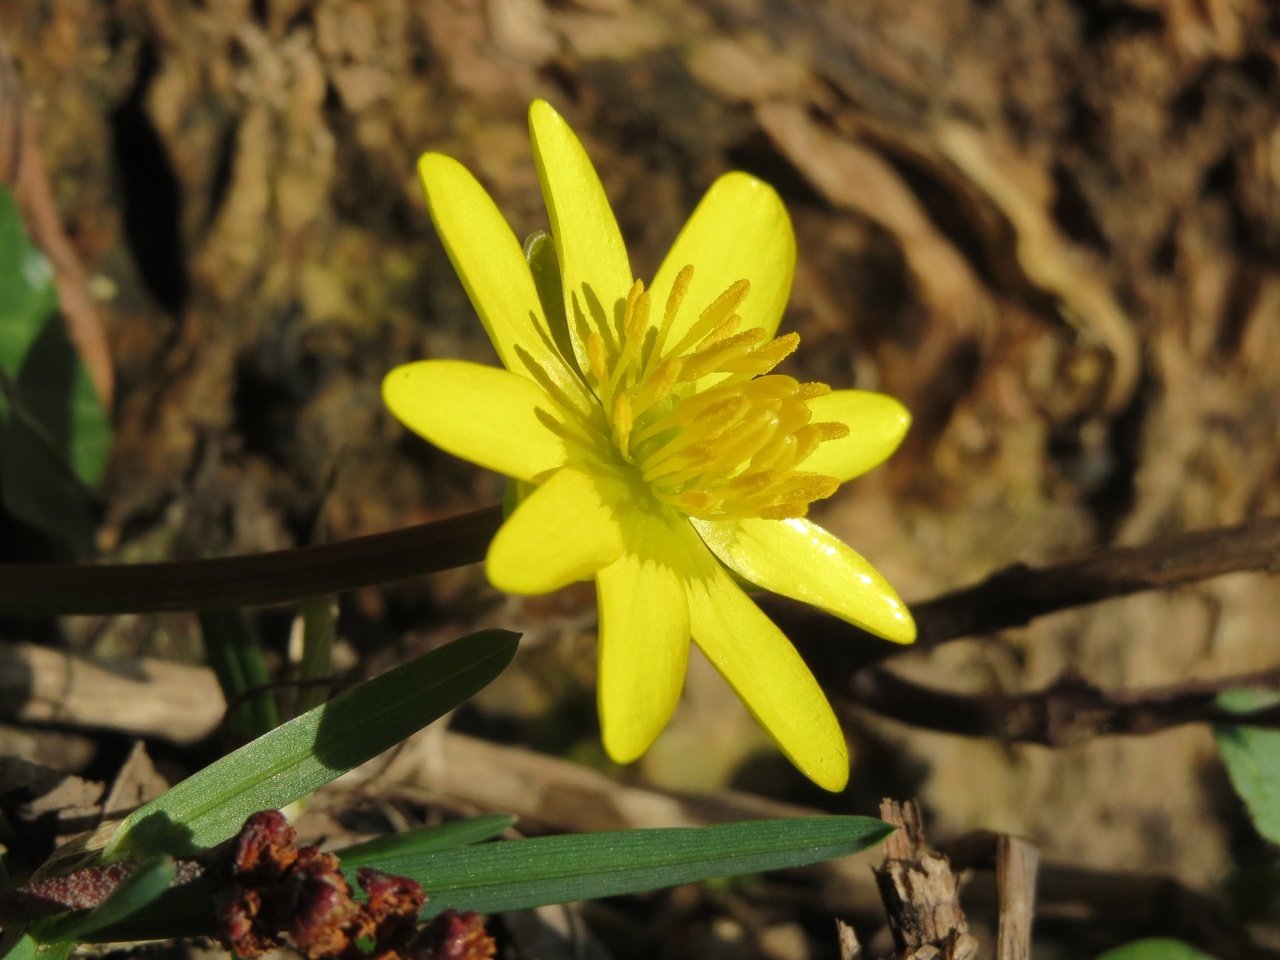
point(705, 424)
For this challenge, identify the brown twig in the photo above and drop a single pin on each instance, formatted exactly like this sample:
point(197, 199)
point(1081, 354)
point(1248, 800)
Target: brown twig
point(1016, 863)
point(1017, 595)
point(921, 894)
point(1070, 711)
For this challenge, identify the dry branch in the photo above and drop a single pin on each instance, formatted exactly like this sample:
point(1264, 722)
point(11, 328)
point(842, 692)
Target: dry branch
point(921, 894)
point(1017, 595)
point(1070, 711)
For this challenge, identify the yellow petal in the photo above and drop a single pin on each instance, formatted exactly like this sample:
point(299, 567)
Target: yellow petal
point(593, 258)
point(483, 414)
point(739, 231)
point(644, 640)
point(877, 423)
point(562, 532)
point(765, 671)
point(799, 559)
point(490, 262)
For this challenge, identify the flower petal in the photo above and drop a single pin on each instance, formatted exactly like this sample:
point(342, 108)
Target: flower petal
point(739, 231)
point(799, 559)
point(489, 416)
point(644, 640)
point(490, 262)
point(877, 423)
point(593, 259)
point(562, 532)
point(766, 672)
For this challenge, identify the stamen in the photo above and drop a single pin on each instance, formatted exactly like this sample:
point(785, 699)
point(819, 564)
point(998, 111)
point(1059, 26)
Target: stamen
point(723, 451)
point(597, 365)
point(714, 315)
point(622, 423)
point(674, 300)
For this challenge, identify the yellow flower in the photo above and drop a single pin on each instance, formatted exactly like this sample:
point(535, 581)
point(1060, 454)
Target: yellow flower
point(657, 446)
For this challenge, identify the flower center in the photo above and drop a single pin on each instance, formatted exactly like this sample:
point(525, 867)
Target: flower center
point(704, 423)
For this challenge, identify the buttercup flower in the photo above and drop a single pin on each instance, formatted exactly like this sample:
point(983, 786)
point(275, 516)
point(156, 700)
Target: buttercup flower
point(660, 453)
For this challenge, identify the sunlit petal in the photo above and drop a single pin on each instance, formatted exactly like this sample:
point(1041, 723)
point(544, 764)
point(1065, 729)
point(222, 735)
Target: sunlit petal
point(739, 231)
point(877, 423)
point(489, 416)
point(644, 639)
point(564, 531)
point(490, 262)
point(799, 559)
point(593, 259)
point(766, 672)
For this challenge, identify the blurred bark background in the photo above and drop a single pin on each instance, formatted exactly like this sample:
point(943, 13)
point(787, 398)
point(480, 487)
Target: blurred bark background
point(1051, 228)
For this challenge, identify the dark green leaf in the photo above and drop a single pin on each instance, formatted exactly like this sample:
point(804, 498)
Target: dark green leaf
point(1155, 948)
point(297, 757)
point(236, 659)
point(426, 840)
point(515, 874)
point(1252, 758)
point(55, 435)
point(27, 293)
point(319, 618)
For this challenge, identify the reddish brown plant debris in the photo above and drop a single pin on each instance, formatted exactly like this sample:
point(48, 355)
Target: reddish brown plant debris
point(278, 893)
point(78, 890)
point(456, 936)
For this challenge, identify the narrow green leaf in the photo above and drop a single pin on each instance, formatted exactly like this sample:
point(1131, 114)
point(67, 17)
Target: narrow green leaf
point(426, 840)
point(1155, 948)
point(299, 756)
point(136, 891)
point(319, 623)
point(516, 874)
point(1252, 758)
point(236, 658)
point(28, 949)
point(319, 619)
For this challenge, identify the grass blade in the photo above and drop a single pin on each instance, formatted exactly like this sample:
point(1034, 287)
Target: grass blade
point(236, 658)
point(426, 840)
point(516, 874)
point(297, 757)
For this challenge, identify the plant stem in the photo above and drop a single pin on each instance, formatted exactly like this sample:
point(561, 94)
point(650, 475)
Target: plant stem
point(279, 576)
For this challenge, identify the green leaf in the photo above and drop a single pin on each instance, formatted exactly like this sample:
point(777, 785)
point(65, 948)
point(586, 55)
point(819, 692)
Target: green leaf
point(135, 891)
point(515, 874)
point(28, 949)
point(55, 436)
point(425, 840)
point(1252, 758)
point(27, 293)
point(299, 756)
point(319, 620)
point(1155, 948)
point(237, 662)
